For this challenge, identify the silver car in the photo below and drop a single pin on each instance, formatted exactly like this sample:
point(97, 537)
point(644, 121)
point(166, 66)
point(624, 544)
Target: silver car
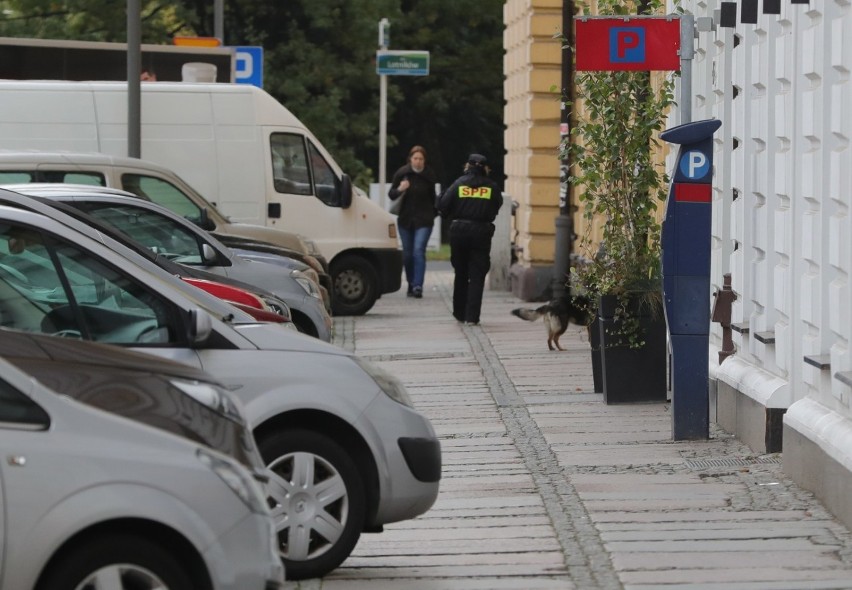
point(93, 500)
point(181, 241)
point(346, 449)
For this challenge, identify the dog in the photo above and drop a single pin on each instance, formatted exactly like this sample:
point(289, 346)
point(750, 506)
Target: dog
point(558, 314)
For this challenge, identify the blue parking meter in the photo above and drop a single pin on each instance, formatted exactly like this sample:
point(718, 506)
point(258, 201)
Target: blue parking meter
point(686, 275)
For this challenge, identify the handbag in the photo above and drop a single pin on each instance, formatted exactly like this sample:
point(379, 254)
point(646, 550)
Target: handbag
point(396, 205)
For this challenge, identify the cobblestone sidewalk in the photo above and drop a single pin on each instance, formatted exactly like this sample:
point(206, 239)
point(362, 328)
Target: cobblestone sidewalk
point(546, 487)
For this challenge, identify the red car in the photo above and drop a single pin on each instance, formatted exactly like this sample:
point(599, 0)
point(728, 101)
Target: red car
point(240, 298)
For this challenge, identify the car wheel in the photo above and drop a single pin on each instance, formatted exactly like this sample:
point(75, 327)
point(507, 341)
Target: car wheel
point(356, 285)
point(317, 500)
point(119, 562)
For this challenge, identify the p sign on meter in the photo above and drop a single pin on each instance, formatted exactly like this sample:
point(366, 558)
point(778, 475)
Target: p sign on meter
point(686, 275)
point(248, 68)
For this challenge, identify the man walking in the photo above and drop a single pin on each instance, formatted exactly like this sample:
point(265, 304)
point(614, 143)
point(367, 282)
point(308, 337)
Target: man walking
point(471, 204)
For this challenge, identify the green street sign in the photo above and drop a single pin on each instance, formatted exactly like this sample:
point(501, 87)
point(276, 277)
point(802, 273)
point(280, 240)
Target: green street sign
point(402, 63)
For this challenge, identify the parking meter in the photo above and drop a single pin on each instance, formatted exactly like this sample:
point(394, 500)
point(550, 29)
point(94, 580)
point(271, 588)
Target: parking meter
point(686, 275)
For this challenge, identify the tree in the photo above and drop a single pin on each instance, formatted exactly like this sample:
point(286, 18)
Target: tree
point(458, 108)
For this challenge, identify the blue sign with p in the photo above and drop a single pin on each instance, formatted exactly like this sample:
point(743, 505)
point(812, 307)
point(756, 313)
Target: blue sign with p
point(627, 44)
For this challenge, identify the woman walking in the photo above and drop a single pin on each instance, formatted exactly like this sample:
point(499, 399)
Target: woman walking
point(414, 183)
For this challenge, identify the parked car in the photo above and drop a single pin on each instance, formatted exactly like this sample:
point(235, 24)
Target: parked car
point(94, 500)
point(156, 183)
point(317, 411)
point(179, 240)
point(222, 287)
point(242, 299)
point(177, 398)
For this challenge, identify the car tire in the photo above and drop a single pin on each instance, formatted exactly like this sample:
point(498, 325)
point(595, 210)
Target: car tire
point(332, 524)
point(139, 563)
point(356, 285)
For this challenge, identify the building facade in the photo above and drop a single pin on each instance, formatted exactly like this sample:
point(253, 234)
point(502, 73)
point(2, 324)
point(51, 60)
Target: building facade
point(781, 214)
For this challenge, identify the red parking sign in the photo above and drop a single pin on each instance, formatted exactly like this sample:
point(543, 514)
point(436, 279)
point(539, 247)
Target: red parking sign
point(627, 43)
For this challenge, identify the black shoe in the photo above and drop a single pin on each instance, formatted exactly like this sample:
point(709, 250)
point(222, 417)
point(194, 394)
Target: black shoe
point(417, 292)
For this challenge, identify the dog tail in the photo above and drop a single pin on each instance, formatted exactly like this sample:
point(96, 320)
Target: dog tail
point(528, 314)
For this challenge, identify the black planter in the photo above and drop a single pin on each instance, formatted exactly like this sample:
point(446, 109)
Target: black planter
point(630, 375)
point(597, 357)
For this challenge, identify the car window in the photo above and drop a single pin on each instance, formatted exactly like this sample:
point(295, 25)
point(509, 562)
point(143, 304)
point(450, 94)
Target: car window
point(54, 287)
point(163, 193)
point(17, 408)
point(290, 164)
point(153, 230)
point(16, 177)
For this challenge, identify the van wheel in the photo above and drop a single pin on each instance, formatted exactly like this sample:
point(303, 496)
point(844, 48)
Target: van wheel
point(356, 285)
point(119, 561)
point(317, 500)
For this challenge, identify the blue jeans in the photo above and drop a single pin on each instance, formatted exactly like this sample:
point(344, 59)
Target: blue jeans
point(414, 254)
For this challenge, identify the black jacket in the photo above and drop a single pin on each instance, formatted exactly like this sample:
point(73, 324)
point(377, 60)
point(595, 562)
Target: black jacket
point(472, 197)
point(418, 206)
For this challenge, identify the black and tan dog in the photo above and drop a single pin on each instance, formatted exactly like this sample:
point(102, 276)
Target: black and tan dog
point(558, 315)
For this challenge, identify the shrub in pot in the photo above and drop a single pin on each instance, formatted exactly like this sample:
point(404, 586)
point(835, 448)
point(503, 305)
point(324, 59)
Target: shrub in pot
point(620, 182)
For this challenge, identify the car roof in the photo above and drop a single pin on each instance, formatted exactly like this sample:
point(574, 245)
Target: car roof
point(53, 188)
point(51, 157)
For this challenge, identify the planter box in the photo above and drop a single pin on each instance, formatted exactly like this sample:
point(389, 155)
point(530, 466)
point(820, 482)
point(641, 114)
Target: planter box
point(631, 375)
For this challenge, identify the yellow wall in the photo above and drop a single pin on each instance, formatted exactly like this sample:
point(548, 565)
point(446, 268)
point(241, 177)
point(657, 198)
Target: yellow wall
point(532, 66)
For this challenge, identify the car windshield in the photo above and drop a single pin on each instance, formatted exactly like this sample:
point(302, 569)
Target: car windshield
point(54, 287)
point(153, 230)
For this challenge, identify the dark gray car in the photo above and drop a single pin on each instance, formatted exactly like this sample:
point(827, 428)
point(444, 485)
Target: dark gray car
point(177, 398)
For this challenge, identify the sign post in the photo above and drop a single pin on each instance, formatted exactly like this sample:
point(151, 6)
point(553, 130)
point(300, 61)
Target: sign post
point(392, 63)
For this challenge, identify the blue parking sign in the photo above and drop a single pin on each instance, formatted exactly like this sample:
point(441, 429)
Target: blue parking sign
point(248, 68)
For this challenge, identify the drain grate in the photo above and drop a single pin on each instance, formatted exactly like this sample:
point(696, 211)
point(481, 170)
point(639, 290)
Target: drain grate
point(698, 464)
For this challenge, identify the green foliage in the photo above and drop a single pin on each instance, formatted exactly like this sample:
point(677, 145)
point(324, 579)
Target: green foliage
point(91, 20)
point(619, 184)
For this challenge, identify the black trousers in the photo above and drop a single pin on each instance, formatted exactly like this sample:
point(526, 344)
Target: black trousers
point(470, 255)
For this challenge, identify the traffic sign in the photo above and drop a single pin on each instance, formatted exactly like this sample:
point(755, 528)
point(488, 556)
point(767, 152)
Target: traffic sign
point(628, 43)
point(402, 63)
point(249, 65)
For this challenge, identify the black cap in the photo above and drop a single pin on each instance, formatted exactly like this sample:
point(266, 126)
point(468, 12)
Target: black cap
point(477, 160)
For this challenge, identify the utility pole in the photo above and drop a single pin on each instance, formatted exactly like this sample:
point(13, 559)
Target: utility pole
point(384, 43)
point(134, 70)
point(565, 222)
point(219, 20)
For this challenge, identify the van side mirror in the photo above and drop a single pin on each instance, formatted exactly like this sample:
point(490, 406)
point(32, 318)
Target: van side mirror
point(200, 326)
point(345, 192)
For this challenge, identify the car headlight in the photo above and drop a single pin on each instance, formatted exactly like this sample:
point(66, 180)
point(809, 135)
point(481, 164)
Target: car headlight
point(392, 386)
point(211, 396)
point(307, 284)
point(279, 307)
point(236, 478)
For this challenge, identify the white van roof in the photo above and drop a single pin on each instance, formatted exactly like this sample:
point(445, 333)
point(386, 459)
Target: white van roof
point(267, 110)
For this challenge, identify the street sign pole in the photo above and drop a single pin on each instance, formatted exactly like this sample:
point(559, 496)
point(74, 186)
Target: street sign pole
point(383, 132)
point(384, 41)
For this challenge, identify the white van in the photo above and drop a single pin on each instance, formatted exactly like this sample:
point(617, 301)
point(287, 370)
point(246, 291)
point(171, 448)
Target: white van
point(240, 148)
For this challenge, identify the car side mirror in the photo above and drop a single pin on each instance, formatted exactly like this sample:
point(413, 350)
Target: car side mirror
point(208, 255)
point(204, 221)
point(200, 326)
point(345, 192)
